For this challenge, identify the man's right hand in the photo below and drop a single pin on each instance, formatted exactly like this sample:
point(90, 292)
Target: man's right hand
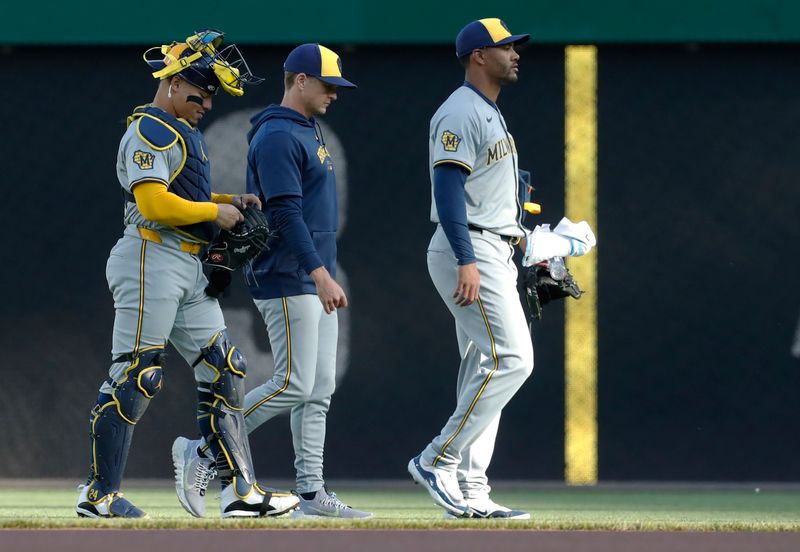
point(228, 216)
point(330, 294)
point(468, 286)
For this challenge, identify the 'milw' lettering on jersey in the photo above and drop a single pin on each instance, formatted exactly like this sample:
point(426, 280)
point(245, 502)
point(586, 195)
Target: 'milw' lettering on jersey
point(500, 150)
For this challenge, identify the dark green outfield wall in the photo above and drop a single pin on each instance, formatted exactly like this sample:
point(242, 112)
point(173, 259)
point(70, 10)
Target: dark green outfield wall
point(410, 22)
point(698, 296)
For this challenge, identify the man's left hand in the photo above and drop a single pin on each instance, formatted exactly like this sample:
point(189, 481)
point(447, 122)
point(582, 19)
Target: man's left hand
point(244, 200)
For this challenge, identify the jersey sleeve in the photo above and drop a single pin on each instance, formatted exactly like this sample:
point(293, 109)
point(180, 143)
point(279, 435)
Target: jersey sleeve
point(448, 193)
point(455, 137)
point(145, 163)
point(285, 214)
point(278, 161)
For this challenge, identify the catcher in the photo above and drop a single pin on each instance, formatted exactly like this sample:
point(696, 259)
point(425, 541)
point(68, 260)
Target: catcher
point(154, 273)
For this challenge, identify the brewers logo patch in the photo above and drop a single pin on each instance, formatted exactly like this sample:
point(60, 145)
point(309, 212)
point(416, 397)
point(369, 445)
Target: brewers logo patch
point(322, 153)
point(144, 159)
point(450, 141)
point(325, 157)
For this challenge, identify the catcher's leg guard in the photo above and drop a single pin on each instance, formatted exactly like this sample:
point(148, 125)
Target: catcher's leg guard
point(219, 413)
point(113, 417)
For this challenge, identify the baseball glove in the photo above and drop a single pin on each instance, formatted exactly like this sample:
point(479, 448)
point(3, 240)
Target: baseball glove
point(234, 248)
point(541, 288)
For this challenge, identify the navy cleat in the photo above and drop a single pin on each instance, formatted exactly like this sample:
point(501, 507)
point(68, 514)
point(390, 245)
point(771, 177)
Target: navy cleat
point(441, 485)
point(112, 505)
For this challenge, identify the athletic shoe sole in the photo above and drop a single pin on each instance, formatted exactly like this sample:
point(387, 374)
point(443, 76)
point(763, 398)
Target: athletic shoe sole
point(501, 514)
point(300, 514)
point(243, 509)
point(428, 481)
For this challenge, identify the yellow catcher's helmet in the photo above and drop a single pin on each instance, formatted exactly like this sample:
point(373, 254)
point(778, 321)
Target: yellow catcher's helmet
point(200, 61)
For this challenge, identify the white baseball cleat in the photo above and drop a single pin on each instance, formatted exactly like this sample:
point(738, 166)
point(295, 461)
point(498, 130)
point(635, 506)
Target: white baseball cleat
point(327, 504)
point(192, 475)
point(486, 508)
point(442, 485)
point(257, 502)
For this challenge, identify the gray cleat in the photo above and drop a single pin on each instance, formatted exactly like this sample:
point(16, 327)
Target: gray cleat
point(192, 475)
point(327, 504)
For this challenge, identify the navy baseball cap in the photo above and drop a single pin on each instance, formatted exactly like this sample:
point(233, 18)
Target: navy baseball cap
point(484, 33)
point(319, 62)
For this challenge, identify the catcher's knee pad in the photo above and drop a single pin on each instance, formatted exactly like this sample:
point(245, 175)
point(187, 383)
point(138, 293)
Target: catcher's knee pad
point(229, 367)
point(113, 418)
point(140, 382)
point(219, 410)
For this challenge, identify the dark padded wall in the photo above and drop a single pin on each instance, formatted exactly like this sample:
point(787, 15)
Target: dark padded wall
point(697, 175)
point(700, 214)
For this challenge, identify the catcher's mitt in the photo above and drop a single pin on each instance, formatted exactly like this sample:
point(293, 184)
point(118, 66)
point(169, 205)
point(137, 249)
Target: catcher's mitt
point(541, 288)
point(233, 248)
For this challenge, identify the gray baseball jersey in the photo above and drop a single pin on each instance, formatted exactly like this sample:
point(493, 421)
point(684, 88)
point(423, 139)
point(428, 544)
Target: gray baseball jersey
point(468, 130)
point(139, 161)
point(494, 344)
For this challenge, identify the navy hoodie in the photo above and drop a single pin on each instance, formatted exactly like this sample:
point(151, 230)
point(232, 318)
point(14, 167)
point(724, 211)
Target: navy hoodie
point(290, 170)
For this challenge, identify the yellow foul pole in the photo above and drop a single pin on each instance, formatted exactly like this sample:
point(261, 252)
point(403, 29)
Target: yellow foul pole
point(580, 330)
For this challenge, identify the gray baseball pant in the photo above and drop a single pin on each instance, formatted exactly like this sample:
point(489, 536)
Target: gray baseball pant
point(496, 357)
point(158, 297)
point(303, 340)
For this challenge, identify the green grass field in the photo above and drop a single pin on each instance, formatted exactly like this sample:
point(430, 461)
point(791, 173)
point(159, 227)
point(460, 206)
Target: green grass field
point(618, 509)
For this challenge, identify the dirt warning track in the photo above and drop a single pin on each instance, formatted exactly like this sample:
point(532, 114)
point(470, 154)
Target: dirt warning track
point(295, 540)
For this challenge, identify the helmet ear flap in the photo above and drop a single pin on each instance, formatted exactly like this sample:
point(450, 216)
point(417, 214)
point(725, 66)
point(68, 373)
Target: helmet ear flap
point(228, 77)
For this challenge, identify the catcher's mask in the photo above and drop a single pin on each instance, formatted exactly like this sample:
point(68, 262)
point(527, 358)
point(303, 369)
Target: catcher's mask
point(200, 62)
